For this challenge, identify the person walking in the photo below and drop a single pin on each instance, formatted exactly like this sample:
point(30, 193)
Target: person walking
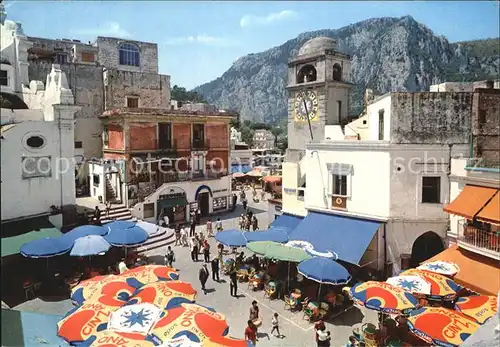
point(255, 223)
point(198, 216)
point(210, 232)
point(206, 251)
point(241, 221)
point(215, 269)
point(108, 208)
point(97, 215)
point(233, 282)
point(177, 235)
point(251, 333)
point(218, 225)
point(244, 203)
point(235, 200)
point(169, 257)
point(194, 249)
point(275, 324)
point(192, 229)
point(184, 240)
point(203, 277)
point(254, 314)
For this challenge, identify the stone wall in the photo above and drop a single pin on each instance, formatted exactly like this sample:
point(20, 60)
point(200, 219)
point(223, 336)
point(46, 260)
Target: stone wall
point(153, 90)
point(108, 55)
point(486, 131)
point(427, 118)
point(116, 138)
point(217, 135)
point(182, 136)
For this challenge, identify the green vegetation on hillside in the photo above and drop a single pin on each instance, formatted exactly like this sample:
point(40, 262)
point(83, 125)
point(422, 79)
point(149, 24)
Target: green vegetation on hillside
point(483, 48)
point(181, 94)
point(247, 129)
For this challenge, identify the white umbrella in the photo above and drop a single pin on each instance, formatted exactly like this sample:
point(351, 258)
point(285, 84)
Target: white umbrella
point(150, 228)
point(412, 284)
point(441, 267)
point(89, 245)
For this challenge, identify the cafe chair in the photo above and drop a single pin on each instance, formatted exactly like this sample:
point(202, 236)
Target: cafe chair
point(270, 291)
point(289, 303)
point(309, 313)
point(29, 290)
point(323, 311)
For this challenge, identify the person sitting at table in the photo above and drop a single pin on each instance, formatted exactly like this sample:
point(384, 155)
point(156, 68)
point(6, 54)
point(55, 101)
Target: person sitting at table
point(240, 258)
point(352, 342)
point(122, 267)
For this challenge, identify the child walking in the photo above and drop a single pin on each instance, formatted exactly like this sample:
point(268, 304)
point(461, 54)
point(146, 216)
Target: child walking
point(275, 325)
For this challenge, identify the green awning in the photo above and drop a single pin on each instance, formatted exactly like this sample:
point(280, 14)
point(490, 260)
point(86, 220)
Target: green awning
point(172, 202)
point(16, 234)
point(278, 251)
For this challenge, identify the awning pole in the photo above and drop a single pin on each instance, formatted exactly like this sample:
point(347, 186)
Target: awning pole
point(319, 292)
point(288, 279)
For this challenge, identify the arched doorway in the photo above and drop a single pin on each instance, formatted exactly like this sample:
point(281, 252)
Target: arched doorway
point(425, 246)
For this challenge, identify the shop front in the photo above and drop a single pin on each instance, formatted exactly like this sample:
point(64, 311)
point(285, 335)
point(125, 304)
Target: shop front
point(173, 205)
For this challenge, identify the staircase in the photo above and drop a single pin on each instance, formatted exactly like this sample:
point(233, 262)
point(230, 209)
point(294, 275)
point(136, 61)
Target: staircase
point(117, 212)
point(165, 238)
point(110, 192)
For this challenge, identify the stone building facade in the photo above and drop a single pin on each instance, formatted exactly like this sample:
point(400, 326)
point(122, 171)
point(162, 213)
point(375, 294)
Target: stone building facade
point(486, 126)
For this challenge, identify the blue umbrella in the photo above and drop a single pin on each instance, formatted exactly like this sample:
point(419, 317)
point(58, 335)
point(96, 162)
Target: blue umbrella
point(83, 231)
point(127, 237)
point(324, 270)
point(89, 245)
point(45, 248)
point(267, 235)
point(231, 238)
point(119, 225)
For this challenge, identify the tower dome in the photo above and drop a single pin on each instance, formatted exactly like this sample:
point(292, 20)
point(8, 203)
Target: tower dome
point(317, 45)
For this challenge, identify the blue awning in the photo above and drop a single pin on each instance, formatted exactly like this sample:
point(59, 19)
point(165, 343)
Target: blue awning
point(347, 237)
point(240, 168)
point(286, 223)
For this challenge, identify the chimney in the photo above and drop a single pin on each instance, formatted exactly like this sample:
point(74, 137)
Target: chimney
point(368, 97)
point(489, 84)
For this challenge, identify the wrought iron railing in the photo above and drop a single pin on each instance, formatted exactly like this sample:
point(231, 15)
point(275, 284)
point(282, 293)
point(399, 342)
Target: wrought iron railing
point(480, 163)
point(479, 239)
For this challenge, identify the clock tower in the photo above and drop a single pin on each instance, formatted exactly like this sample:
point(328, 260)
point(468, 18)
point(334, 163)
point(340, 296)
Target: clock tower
point(318, 92)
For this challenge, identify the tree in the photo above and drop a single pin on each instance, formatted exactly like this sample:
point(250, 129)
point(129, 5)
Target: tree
point(182, 95)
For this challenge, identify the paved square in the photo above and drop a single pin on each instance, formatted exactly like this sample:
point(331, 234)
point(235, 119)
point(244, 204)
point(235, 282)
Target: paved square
point(296, 330)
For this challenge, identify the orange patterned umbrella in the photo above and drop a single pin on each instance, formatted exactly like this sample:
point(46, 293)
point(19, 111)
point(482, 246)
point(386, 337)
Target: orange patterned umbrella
point(165, 295)
point(479, 307)
point(440, 326)
point(84, 321)
point(146, 274)
point(441, 286)
point(382, 296)
point(109, 338)
point(198, 323)
point(225, 341)
point(109, 290)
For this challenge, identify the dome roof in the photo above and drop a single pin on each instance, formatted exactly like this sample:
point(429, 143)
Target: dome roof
point(317, 45)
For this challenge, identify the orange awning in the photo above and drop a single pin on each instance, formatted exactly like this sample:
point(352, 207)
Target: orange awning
point(272, 179)
point(468, 203)
point(477, 272)
point(491, 212)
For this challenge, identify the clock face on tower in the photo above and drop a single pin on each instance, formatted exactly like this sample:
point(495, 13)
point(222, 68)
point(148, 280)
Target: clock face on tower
point(306, 106)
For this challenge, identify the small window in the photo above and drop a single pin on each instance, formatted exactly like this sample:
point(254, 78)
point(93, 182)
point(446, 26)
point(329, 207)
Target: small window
point(78, 144)
point(381, 125)
point(482, 117)
point(96, 179)
point(35, 142)
point(129, 54)
point(132, 102)
point(4, 78)
point(88, 57)
point(431, 190)
point(149, 210)
point(61, 59)
point(364, 122)
point(337, 72)
point(339, 185)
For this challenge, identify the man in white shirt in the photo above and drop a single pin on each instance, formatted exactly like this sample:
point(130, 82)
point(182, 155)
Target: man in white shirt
point(184, 241)
point(122, 267)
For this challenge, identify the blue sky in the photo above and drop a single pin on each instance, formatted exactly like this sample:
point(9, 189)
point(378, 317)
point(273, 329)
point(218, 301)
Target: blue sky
point(198, 41)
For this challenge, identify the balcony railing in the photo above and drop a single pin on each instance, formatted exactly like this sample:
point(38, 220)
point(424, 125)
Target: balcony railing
point(181, 176)
point(167, 144)
point(479, 240)
point(200, 144)
point(482, 164)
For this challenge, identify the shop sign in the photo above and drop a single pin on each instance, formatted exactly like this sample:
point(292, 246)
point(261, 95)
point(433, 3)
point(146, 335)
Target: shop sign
point(172, 196)
point(219, 191)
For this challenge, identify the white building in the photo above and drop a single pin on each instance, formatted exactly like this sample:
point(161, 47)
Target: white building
point(38, 172)
point(263, 139)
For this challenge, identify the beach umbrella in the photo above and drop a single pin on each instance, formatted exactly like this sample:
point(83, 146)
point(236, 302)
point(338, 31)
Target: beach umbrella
point(324, 271)
point(146, 274)
point(110, 338)
point(119, 225)
point(238, 175)
point(383, 297)
point(182, 341)
point(442, 287)
point(89, 245)
point(150, 228)
point(479, 307)
point(84, 230)
point(165, 295)
point(226, 341)
point(231, 238)
point(46, 247)
point(82, 322)
point(196, 322)
point(413, 284)
point(441, 267)
point(127, 237)
point(440, 326)
point(266, 235)
point(108, 290)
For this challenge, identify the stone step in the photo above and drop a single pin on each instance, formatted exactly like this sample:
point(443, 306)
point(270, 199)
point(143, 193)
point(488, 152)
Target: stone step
point(161, 240)
point(123, 218)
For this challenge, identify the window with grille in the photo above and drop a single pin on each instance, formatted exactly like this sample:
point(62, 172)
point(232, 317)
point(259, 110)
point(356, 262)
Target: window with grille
point(339, 185)
point(129, 54)
point(61, 59)
point(132, 102)
point(4, 78)
point(78, 144)
point(431, 190)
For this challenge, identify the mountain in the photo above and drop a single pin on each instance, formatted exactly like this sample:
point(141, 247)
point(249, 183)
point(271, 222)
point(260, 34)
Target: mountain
point(388, 54)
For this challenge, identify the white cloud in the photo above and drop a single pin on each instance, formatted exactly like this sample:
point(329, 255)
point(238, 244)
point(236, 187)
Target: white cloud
point(112, 29)
point(202, 39)
point(251, 20)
